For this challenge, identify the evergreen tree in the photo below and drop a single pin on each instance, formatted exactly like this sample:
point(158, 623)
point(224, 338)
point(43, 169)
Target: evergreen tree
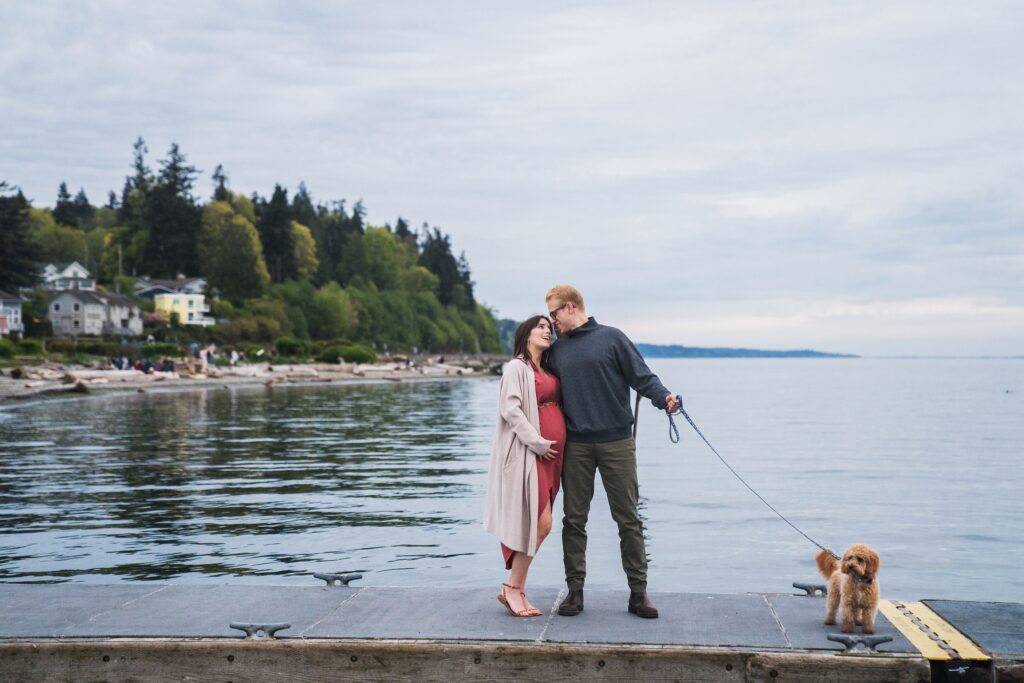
point(275, 228)
point(220, 181)
point(173, 219)
point(358, 218)
point(130, 242)
point(143, 177)
point(436, 256)
point(303, 210)
point(466, 281)
point(84, 211)
point(353, 259)
point(112, 200)
point(330, 231)
point(18, 266)
point(403, 233)
point(64, 210)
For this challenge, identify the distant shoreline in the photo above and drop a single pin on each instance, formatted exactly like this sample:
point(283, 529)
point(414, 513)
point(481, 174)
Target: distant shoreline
point(677, 351)
point(57, 381)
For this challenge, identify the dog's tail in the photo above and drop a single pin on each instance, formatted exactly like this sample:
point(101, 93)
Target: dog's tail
point(827, 564)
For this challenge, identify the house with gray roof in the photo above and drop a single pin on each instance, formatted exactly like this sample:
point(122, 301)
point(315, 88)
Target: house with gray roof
point(150, 287)
point(75, 313)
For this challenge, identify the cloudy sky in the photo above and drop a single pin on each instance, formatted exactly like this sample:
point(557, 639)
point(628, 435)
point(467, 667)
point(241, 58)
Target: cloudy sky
point(842, 176)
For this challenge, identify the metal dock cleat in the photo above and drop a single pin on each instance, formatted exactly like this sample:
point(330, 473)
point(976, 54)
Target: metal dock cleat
point(337, 579)
point(259, 631)
point(812, 589)
point(858, 644)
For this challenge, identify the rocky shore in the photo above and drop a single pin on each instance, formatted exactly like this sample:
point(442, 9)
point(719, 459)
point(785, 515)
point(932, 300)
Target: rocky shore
point(51, 379)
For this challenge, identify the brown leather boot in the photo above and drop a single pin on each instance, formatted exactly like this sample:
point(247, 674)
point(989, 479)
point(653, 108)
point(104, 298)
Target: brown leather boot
point(572, 605)
point(640, 605)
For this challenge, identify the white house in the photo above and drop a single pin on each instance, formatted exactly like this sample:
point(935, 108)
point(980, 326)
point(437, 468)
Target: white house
point(74, 313)
point(10, 315)
point(68, 276)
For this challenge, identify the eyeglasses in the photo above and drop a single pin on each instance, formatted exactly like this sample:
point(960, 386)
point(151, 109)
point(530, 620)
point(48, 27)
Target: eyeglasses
point(554, 314)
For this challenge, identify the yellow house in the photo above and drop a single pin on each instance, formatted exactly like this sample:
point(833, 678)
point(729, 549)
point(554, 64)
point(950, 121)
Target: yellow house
point(191, 308)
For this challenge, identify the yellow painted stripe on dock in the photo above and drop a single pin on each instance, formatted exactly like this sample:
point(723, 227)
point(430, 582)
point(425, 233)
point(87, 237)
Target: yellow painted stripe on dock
point(925, 645)
point(964, 646)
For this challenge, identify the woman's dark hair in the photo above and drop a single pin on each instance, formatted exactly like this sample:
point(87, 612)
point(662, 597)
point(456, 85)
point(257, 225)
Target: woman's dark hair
point(519, 349)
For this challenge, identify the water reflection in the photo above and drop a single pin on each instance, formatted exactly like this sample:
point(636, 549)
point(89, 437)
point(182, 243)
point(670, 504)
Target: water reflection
point(919, 458)
point(164, 485)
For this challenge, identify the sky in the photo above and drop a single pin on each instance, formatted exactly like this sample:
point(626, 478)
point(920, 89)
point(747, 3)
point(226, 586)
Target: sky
point(843, 176)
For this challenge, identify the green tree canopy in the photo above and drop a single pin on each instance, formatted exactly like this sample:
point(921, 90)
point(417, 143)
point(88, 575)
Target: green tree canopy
point(332, 313)
point(173, 219)
point(436, 256)
point(304, 259)
point(64, 209)
point(385, 257)
point(18, 258)
point(303, 210)
point(230, 253)
point(84, 211)
point(56, 243)
point(220, 182)
point(275, 229)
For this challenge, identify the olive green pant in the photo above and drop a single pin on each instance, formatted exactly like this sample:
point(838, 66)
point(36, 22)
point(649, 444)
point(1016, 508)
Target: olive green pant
point(616, 461)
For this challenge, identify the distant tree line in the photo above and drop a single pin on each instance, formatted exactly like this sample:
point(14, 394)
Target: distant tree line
point(281, 266)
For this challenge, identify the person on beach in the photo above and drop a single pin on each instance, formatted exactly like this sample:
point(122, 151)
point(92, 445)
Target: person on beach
point(526, 460)
point(597, 366)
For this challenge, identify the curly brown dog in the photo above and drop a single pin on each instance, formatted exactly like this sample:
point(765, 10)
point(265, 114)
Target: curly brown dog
point(852, 587)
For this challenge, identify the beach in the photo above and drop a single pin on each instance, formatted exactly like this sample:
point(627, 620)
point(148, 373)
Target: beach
point(23, 383)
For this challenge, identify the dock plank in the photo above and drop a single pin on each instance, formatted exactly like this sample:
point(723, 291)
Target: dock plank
point(694, 619)
point(996, 626)
point(803, 618)
point(51, 610)
point(434, 613)
point(206, 611)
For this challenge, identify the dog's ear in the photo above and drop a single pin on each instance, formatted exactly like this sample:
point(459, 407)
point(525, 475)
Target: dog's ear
point(874, 562)
point(842, 564)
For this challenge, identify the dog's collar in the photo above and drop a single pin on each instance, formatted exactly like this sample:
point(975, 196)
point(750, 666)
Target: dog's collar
point(863, 579)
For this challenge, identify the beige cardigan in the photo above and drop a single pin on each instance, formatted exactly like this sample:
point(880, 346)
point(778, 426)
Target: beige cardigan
point(511, 506)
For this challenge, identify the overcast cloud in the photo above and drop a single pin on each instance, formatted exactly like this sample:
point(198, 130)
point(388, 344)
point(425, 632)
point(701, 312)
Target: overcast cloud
point(841, 176)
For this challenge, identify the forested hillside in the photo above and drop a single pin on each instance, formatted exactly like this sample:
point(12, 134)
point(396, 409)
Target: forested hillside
point(280, 266)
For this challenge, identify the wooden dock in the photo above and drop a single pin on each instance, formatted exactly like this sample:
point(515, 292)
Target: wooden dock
point(168, 632)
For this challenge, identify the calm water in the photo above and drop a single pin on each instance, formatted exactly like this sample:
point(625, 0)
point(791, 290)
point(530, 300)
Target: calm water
point(920, 458)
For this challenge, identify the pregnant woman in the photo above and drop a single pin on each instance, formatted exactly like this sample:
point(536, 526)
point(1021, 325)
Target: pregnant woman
point(526, 460)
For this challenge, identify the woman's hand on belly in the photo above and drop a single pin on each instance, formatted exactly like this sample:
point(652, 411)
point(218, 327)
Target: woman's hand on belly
point(550, 455)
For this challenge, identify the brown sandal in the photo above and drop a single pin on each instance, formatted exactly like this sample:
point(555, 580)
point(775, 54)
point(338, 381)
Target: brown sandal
point(529, 612)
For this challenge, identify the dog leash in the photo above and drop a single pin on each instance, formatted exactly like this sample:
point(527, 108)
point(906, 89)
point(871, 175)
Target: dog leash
point(673, 435)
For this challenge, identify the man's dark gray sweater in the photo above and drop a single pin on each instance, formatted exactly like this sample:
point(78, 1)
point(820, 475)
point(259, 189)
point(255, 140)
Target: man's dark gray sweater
point(597, 365)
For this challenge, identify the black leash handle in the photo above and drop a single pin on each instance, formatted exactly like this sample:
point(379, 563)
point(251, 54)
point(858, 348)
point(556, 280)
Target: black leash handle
point(673, 435)
point(673, 431)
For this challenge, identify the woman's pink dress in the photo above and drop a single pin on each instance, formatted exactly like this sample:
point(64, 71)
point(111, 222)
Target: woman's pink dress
point(552, 427)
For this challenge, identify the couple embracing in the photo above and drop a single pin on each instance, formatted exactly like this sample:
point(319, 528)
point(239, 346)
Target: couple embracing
point(563, 414)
